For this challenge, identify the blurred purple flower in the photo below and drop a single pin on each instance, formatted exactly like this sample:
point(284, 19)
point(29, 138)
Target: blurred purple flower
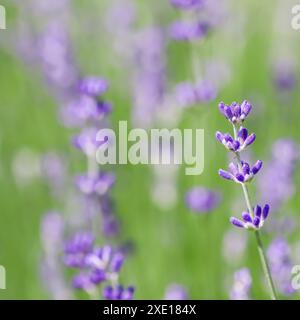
point(93, 86)
point(284, 75)
point(188, 30)
point(202, 200)
point(279, 253)
point(186, 4)
point(118, 293)
point(56, 57)
point(188, 94)
point(150, 73)
point(176, 292)
point(99, 184)
point(234, 245)
point(279, 188)
point(242, 284)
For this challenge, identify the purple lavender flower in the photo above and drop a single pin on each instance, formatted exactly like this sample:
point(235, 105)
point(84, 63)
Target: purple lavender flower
point(279, 254)
point(99, 184)
point(56, 57)
point(234, 245)
point(186, 4)
point(199, 199)
point(279, 188)
point(176, 292)
point(93, 86)
point(105, 259)
point(118, 293)
point(243, 174)
point(52, 228)
point(206, 91)
point(82, 281)
point(87, 142)
point(243, 140)
point(242, 285)
point(188, 31)
point(235, 113)
point(84, 108)
point(252, 223)
point(149, 82)
point(284, 75)
point(188, 94)
point(77, 248)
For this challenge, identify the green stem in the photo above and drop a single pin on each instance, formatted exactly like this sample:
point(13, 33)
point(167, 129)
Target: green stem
point(260, 247)
point(265, 265)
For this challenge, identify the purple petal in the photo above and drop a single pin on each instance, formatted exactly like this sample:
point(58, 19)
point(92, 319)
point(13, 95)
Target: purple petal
point(257, 211)
point(250, 139)
point(237, 110)
point(227, 112)
point(246, 107)
point(266, 211)
point(240, 177)
point(243, 134)
point(219, 136)
point(222, 108)
point(237, 222)
point(246, 216)
point(225, 174)
point(257, 166)
point(256, 221)
point(246, 168)
point(235, 145)
point(233, 168)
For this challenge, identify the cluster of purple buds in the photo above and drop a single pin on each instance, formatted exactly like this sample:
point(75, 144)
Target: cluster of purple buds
point(252, 223)
point(87, 104)
point(241, 174)
point(99, 184)
point(243, 140)
point(97, 265)
point(118, 293)
point(235, 113)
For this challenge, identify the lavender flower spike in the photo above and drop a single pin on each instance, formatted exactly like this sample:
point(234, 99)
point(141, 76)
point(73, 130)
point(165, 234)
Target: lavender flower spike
point(252, 223)
point(241, 173)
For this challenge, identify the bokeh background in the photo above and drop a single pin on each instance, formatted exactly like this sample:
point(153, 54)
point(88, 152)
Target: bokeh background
point(251, 52)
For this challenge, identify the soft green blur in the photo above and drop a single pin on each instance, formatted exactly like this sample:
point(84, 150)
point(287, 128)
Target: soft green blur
point(174, 246)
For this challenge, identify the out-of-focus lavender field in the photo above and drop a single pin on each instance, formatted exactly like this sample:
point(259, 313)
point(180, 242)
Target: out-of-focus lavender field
point(71, 228)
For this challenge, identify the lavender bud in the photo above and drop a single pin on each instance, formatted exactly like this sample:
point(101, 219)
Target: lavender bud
point(236, 222)
point(246, 216)
point(257, 166)
point(265, 212)
point(226, 175)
